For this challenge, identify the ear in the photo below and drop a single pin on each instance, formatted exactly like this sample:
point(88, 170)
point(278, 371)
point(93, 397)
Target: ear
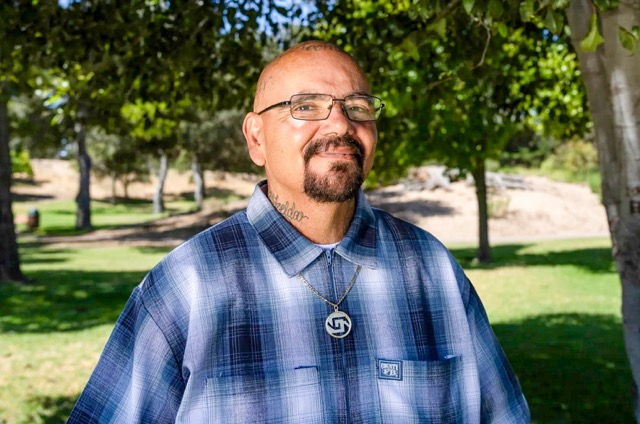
point(254, 134)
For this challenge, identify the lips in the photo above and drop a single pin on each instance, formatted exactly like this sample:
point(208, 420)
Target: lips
point(339, 153)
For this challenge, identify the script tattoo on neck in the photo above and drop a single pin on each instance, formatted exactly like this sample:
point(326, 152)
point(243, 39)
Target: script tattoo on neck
point(287, 210)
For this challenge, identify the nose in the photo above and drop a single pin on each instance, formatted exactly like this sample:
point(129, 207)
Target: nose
point(338, 120)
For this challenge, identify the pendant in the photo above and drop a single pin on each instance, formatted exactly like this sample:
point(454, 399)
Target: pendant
point(338, 324)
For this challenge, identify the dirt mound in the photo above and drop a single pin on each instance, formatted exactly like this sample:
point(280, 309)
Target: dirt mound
point(538, 209)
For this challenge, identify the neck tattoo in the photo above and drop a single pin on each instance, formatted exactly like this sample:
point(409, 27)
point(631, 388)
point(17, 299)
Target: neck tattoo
point(338, 323)
point(286, 210)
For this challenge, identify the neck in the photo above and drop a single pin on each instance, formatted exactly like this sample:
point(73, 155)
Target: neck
point(321, 223)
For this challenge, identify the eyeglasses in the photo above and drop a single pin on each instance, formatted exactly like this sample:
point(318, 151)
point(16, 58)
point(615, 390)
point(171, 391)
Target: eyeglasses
point(317, 107)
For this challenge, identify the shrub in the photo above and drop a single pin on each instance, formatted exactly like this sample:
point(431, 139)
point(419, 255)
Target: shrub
point(21, 163)
point(574, 161)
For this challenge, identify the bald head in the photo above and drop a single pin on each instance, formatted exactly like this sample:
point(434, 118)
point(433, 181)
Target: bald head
point(290, 62)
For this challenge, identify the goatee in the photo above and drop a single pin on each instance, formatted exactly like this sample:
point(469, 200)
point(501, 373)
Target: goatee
point(343, 180)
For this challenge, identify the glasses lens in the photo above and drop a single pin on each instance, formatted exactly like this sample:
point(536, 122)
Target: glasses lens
point(362, 108)
point(311, 107)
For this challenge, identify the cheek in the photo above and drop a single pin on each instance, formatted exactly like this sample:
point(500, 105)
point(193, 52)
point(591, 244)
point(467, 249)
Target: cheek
point(369, 138)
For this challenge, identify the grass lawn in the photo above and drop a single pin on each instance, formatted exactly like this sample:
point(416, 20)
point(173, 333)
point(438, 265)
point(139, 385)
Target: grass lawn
point(59, 216)
point(52, 332)
point(554, 307)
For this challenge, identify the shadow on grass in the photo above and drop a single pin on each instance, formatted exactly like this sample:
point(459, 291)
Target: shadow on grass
point(221, 194)
point(592, 259)
point(50, 410)
point(65, 300)
point(572, 367)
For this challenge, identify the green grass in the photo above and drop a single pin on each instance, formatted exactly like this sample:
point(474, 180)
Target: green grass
point(553, 305)
point(52, 331)
point(58, 217)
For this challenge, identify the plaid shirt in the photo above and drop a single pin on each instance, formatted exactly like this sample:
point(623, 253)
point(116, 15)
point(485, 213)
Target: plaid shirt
point(222, 331)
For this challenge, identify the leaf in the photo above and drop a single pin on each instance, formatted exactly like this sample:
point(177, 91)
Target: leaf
point(593, 39)
point(410, 47)
point(605, 5)
point(503, 30)
point(439, 27)
point(495, 8)
point(526, 10)
point(553, 21)
point(468, 5)
point(627, 39)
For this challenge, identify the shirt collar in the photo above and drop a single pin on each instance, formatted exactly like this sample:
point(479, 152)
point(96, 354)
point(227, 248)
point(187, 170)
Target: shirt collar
point(295, 252)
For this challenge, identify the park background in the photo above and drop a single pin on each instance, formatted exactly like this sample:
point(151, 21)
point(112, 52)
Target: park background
point(120, 134)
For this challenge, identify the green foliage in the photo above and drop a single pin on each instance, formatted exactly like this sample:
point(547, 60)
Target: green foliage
point(498, 205)
point(593, 38)
point(458, 96)
point(149, 119)
point(576, 157)
point(116, 157)
point(215, 140)
point(527, 149)
point(629, 38)
point(547, 83)
point(30, 125)
point(21, 163)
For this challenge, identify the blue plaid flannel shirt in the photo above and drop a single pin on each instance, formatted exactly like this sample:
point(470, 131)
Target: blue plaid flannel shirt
point(222, 331)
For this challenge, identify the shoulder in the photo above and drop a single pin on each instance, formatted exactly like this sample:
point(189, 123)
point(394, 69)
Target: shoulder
point(193, 271)
point(420, 250)
point(199, 258)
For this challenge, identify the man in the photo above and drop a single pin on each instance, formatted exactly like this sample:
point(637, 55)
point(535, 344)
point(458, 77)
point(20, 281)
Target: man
point(310, 306)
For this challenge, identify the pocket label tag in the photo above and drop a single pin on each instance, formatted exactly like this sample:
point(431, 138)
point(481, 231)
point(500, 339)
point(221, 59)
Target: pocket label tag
point(389, 370)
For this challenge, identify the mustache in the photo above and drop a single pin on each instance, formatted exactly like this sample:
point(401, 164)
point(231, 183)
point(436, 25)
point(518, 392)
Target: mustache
point(324, 144)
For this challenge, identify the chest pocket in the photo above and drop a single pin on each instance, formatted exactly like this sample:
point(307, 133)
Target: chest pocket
point(284, 397)
point(420, 391)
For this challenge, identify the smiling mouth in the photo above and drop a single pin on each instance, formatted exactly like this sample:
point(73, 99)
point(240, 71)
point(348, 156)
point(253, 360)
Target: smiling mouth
point(345, 148)
point(338, 155)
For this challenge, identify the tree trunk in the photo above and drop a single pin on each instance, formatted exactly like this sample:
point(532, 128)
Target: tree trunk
point(114, 180)
point(479, 176)
point(83, 199)
point(158, 195)
point(612, 82)
point(125, 187)
point(198, 179)
point(9, 256)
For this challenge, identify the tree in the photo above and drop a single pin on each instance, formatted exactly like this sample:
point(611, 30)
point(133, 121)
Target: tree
point(116, 157)
point(22, 46)
point(214, 142)
point(458, 93)
point(609, 67)
point(95, 46)
point(610, 71)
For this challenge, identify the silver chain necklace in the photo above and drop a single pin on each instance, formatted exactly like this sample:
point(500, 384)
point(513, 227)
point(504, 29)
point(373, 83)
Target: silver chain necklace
point(338, 323)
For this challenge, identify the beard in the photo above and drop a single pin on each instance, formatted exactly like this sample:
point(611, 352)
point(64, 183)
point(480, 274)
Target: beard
point(344, 179)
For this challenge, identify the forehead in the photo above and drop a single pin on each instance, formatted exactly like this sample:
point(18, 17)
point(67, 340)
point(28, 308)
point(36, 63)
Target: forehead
point(326, 72)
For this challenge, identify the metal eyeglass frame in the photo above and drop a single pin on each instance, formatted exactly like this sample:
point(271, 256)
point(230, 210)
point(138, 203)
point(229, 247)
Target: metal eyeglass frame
point(290, 101)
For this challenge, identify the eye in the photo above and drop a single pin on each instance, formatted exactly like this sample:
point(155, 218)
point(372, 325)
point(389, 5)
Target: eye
point(305, 106)
point(359, 108)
